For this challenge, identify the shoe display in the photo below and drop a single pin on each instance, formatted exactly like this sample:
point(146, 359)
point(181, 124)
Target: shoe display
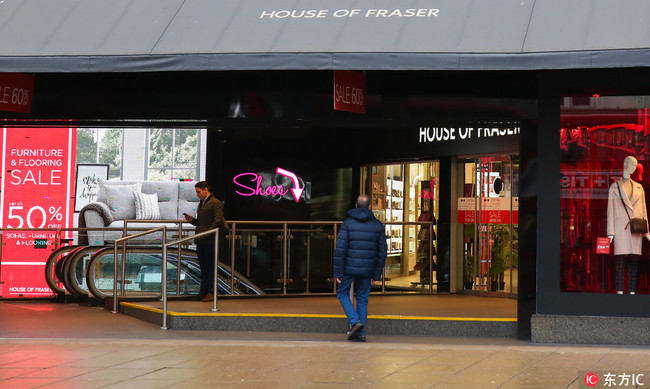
point(354, 330)
point(208, 297)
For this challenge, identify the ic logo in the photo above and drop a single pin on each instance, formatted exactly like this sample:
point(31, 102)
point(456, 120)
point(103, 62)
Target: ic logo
point(591, 379)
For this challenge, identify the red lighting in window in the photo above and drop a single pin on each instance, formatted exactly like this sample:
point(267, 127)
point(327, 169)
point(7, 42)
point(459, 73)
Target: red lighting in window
point(596, 95)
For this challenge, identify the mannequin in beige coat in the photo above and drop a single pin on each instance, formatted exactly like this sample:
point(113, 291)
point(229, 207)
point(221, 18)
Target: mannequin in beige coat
point(627, 246)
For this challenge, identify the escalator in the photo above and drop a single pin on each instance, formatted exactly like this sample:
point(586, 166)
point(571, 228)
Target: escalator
point(84, 270)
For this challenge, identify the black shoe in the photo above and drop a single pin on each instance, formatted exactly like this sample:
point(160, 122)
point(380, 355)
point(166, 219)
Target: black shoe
point(354, 330)
point(359, 338)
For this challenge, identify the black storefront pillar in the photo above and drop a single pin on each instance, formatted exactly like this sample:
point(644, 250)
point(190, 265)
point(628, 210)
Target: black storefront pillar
point(444, 226)
point(214, 164)
point(526, 293)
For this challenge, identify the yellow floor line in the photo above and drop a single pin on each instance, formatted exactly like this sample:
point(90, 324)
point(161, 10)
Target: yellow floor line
point(310, 315)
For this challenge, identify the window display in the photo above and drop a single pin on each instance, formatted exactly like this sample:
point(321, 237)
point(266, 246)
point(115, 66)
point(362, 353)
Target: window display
point(604, 146)
point(401, 194)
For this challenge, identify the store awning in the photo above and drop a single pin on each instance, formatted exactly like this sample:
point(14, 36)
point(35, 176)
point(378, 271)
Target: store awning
point(196, 35)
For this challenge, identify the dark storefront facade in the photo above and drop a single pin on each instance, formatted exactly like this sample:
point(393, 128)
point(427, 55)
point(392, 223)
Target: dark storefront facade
point(487, 115)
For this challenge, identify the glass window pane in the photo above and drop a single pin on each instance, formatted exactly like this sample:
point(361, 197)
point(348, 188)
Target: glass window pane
point(405, 193)
point(160, 147)
point(185, 149)
point(86, 145)
point(110, 150)
point(114, 173)
point(184, 174)
point(160, 174)
point(597, 134)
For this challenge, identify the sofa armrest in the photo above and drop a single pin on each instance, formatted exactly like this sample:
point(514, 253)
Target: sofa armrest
point(94, 219)
point(96, 215)
point(93, 215)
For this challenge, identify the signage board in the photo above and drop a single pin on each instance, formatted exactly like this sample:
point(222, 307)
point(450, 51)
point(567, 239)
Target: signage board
point(602, 245)
point(37, 186)
point(87, 183)
point(281, 184)
point(349, 91)
point(16, 92)
point(494, 210)
point(467, 210)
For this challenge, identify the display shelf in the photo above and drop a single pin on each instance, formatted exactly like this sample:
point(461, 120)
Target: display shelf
point(395, 213)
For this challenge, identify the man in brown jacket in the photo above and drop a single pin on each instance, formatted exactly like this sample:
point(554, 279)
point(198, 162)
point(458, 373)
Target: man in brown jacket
point(209, 215)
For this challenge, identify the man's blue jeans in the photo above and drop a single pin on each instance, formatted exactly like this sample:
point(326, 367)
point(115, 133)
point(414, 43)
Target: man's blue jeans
point(362, 291)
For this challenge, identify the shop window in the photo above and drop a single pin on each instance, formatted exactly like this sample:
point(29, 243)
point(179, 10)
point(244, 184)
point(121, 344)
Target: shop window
point(172, 154)
point(103, 146)
point(595, 140)
point(402, 194)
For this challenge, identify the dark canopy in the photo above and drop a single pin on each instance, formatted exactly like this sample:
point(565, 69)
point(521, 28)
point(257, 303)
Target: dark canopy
point(194, 35)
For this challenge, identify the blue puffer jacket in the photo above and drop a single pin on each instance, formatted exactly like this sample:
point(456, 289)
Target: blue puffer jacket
point(361, 246)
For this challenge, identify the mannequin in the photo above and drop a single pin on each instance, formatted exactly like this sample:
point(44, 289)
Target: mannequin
point(627, 246)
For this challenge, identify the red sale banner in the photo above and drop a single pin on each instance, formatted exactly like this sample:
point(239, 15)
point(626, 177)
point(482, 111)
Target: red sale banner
point(494, 210)
point(16, 92)
point(466, 210)
point(349, 91)
point(37, 192)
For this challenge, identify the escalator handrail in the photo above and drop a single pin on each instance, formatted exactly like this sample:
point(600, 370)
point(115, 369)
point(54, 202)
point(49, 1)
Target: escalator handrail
point(186, 258)
point(50, 267)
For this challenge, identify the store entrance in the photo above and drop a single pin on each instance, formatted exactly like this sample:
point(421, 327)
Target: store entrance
point(405, 197)
point(488, 208)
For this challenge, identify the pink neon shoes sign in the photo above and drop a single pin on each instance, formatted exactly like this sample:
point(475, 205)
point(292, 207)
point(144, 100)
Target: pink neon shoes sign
point(282, 184)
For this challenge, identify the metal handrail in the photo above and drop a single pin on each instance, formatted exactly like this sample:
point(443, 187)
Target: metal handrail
point(115, 244)
point(164, 269)
point(335, 224)
point(325, 222)
point(285, 228)
point(179, 222)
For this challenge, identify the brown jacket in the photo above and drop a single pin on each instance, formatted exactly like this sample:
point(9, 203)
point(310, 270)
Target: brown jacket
point(209, 215)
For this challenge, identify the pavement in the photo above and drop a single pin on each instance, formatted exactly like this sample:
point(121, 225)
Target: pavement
point(56, 345)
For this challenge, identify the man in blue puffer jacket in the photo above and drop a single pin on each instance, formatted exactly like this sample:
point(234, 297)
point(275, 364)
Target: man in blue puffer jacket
point(360, 256)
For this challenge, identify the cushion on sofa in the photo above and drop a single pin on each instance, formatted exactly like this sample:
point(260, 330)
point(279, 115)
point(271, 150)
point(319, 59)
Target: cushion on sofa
point(120, 200)
point(187, 200)
point(146, 206)
point(167, 193)
point(188, 207)
point(103, 184)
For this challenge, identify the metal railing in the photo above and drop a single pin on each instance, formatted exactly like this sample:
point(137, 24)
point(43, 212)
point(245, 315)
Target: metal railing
point(164, 269)
point(123, 272)
point(285, 257)
point(286, 232)
point(179, 229)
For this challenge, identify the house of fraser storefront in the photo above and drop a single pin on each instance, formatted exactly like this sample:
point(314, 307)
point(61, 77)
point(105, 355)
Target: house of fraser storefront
point(481, 253)
point(510, 137)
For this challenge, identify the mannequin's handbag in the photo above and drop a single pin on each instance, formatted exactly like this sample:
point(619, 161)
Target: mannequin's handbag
point(637, 225)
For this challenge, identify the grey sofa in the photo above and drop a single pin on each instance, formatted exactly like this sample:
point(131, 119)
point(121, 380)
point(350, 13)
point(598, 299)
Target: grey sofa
point(116, 203)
